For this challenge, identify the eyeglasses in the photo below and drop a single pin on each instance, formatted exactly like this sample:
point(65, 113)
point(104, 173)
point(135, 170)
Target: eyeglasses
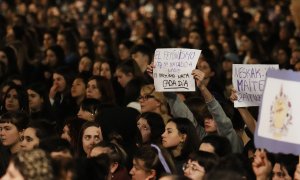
point(146, 97)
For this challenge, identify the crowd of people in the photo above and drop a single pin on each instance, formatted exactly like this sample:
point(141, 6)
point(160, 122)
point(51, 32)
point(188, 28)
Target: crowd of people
point(78, 99)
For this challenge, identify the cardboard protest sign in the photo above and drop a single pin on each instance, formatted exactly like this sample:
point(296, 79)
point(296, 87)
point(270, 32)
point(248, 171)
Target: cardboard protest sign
point(249, 82)
point(278, 123)
point(173, 69)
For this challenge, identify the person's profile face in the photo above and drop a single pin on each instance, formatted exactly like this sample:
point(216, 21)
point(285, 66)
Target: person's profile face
point(9, 134)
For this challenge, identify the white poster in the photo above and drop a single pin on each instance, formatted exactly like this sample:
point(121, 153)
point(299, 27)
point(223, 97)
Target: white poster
point(173, 69)
point(278, 121)
point(249, 82)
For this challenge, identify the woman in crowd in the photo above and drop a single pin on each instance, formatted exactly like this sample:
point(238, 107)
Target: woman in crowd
point(90, 134)
point(127, 71)
point(101, 89)
point(97, 68)
point(199, 164)
point(12, 125)
point(60, 96)
point(129, 78)
point(124, 48)
point(53, 58)
point(9, 59)
point(36, 132)
point(86, 47)
point(39, 105)
point(181, 139)
point(107, 69)
point(151, 127)
point(85, 64)
point(4, 87)
point(284, 167)
point(103, 49)
point(78, 88)
point(71, 131)
point(152, 101)
point(67, 40)
point(15, 99)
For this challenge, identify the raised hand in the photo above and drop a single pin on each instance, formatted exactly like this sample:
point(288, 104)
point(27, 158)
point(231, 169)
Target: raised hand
point(53, 91)
point(297, 172)
point(150, 68)
point(261, 166)
point(199, 76)
point(233, 96)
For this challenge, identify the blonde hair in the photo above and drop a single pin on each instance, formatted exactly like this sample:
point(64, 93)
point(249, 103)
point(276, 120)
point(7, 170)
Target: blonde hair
point(149, 89)
point(34, 165)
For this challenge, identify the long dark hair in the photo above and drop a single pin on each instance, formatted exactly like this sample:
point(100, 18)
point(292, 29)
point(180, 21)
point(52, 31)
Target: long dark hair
point(156, 124)
point(22, 97)
point(80, 152)
point(106, 89)
point(192, 141)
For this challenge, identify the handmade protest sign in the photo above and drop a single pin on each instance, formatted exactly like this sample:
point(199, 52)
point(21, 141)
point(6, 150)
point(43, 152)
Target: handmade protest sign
point(278, 124)
point(249, 82)
point(173, 69)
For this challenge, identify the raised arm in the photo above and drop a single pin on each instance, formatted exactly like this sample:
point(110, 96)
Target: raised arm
point(224, 124)
point(177, 107)
point(261, 166)
point(246, 115)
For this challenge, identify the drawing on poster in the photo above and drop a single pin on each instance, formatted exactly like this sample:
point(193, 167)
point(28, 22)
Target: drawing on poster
point(281, 115)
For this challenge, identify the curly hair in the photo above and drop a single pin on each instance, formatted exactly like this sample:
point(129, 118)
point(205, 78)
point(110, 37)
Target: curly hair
point(33, 165)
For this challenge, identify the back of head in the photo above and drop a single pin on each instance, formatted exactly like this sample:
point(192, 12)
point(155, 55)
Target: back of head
point(221, 144)
point(116, 152)
point(33, 164)
point(92, 168)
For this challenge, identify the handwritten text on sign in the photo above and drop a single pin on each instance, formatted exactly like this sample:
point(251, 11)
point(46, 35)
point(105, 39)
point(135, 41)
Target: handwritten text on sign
point(249, 81)
point(173, 69)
